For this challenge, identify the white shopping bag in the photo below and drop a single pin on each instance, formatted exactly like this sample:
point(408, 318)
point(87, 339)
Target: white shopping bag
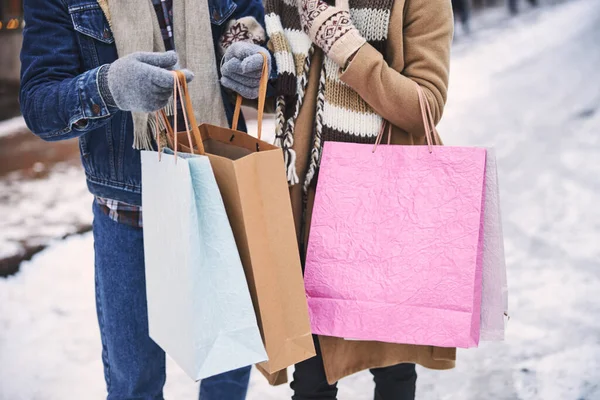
point(199, 306)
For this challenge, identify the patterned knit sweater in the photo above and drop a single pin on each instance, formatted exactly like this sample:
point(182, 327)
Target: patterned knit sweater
point(342, 115)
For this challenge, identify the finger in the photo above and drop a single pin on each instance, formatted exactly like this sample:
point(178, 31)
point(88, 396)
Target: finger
point(189, 75)
point(254, 63)
point(245, 91)
point(234, 67)
point(239, 50)
point(244, 79)
point(242, 50)
point(161, 77)
point(162, 60)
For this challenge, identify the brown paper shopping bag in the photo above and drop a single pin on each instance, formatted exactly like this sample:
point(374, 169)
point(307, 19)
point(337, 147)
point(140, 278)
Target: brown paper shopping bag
point(251, 177)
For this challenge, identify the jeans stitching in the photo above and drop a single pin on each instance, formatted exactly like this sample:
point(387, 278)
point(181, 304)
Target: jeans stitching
point(102, 335)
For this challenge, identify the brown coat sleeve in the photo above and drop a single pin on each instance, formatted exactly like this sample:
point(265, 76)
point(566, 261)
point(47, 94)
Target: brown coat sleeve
point(420, 37)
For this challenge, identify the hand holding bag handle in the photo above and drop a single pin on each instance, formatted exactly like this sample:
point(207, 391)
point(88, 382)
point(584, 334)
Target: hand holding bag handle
point(178, 77)
point(428, 123)
point(180, 87)
point(262, 95)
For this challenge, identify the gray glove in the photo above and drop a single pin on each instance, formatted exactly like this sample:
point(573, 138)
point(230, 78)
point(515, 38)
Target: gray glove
point(241, 68)
point(139, 82)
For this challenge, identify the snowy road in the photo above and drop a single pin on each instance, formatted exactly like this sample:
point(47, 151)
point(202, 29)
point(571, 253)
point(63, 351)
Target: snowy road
point(531, 89)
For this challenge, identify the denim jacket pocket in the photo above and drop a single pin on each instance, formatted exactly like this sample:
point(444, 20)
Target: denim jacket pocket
point(95, 38)
point(89, 20)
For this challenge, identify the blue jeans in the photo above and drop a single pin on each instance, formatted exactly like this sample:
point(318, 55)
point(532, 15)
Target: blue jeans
point(134, 366)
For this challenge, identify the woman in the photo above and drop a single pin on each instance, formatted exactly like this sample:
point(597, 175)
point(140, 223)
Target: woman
point(343, 70)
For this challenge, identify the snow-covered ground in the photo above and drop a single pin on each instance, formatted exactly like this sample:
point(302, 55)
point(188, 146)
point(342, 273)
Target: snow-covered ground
point(35, 211)
point(530, 88)
point(12, 126)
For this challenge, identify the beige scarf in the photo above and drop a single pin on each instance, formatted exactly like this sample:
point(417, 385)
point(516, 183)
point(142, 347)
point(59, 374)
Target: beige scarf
point(135, 28)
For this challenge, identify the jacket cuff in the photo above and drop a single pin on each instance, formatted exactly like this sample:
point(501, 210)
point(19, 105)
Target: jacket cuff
point(93, 105)
point(103, 86)
point(354, 71)
point(345, 46)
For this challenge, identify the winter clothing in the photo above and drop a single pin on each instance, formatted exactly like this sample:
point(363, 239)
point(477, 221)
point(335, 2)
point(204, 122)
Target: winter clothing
point(397, 382)
point(117, 210)
point(140, 82)
point(242, 68)
point(412, 44)
point(331, 28)
point(120, 212)
point(341, 113)
point(246, 28)
point(462, 10)
point(65, 42)
point(243, 30)
point(164, 12)
point(142, 33)
point(513, 5)
point(134, 365)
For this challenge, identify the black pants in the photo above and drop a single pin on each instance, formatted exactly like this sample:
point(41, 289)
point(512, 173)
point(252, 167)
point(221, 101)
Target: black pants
point(462, 10)
point(514, 7)
point(392, 383)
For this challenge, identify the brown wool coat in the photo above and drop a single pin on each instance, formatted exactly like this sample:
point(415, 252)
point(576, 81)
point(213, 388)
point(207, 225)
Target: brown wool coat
point(418, 50)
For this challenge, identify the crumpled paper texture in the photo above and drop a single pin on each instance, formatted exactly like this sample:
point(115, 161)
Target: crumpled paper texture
point(494, 302)
point(395, 247)
point(199, 306)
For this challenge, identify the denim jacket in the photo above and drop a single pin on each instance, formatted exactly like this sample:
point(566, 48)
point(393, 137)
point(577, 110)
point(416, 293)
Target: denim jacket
point(65, 42)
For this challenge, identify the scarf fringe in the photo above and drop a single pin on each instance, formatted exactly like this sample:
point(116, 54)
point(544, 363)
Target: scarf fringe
point(146, 140)
point(279, 121)
point(288, 127)
point(315, 153)
point(294, 52)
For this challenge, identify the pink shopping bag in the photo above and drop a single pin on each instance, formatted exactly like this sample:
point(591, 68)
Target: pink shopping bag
point(396, 243)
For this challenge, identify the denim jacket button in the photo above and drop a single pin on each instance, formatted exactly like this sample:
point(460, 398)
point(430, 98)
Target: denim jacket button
point(106, 33)
point(96, 109)
point(216, 15)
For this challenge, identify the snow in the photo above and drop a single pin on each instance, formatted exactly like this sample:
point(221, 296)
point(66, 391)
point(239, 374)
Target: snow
point(12, 126)
point(528, 87)
point(35, 211)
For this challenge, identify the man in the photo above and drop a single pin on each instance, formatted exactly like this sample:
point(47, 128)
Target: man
point(93, 70)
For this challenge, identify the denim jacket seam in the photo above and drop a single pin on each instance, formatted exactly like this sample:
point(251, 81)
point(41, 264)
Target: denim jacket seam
point(82, 86)
point(113, 184)
point(57, 133)
point(100, 92)
point(223, 17)
point(92, 5)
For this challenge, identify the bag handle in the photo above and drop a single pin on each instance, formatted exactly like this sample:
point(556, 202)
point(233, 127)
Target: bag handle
point(428, 123)
point(177, 90)
point(190, 113)
point(180, 88)
point(262, 95)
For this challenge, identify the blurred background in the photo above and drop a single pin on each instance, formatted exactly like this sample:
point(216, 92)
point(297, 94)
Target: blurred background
point(525, 79)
